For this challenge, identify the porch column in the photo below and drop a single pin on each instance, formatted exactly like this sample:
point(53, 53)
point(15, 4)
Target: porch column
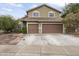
point(27, 26)
point(40, 28)
point(63, 29)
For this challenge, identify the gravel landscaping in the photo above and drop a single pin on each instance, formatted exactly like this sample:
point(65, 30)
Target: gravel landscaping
point(10, 39)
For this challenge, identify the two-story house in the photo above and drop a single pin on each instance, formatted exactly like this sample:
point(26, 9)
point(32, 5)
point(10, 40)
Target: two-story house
point(43, 19)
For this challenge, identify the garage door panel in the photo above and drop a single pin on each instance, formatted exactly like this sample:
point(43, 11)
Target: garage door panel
point(52, 28)
point(32, 28)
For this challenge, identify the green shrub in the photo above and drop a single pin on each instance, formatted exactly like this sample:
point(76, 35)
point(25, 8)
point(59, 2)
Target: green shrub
point(69, 30)
point(23, 30)
point(7, 23)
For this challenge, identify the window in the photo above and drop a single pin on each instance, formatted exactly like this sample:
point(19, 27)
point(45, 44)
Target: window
point(50, 14)
point(36, 14)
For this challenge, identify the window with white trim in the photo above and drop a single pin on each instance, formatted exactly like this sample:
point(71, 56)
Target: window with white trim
point(51, 14)
point(35, 14)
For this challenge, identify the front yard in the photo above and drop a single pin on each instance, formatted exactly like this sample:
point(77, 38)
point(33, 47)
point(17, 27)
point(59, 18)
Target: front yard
point(10, 39)
point(38, 45)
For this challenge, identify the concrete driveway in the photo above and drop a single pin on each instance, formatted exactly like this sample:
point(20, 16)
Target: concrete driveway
point(43, 44)
point(51, 39)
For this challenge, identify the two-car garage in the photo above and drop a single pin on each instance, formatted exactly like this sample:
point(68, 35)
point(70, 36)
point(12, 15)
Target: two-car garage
point(45, 28)
point(52, 28)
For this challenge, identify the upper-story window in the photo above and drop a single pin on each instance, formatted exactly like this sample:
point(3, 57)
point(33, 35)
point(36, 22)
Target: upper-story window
point(51, 14)
point(36, 14)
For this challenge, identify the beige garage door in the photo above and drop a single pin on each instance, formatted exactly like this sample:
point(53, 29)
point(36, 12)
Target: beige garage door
point(32, 28)
point(52, 28)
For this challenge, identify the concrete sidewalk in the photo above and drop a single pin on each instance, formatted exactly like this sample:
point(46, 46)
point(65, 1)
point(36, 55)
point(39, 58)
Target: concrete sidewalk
point(30, 50)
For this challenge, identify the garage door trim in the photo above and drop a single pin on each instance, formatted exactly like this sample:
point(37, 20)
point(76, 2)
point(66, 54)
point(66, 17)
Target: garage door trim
point(31, 23)
point(53, 23)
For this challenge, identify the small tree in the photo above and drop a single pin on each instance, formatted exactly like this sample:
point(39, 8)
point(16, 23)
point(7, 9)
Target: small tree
point(70, 8)
point(71, 22)
point(7, 23)
point(71, 17)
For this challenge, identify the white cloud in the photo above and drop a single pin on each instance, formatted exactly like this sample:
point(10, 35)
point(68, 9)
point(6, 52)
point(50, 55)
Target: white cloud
point(4, 13)
point(7, 9)
point(33, 6)
point(36, 5)
point(16, 4)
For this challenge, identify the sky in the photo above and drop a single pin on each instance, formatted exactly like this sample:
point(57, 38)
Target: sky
point(18, 10)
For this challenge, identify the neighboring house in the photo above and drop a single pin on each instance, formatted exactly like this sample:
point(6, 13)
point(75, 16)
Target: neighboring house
point(43, 19)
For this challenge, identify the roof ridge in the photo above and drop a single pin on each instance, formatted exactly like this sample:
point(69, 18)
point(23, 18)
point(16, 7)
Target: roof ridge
point(43, 5)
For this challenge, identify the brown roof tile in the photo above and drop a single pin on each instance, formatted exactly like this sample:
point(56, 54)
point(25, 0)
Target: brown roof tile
point(42, 19)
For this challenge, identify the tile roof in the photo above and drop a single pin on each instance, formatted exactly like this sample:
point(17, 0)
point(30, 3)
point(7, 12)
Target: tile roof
point(42, 19)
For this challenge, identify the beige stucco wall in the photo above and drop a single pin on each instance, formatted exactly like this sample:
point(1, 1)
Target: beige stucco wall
point(44, 12)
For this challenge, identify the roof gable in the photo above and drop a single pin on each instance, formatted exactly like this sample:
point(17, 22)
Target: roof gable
point(45, 6)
